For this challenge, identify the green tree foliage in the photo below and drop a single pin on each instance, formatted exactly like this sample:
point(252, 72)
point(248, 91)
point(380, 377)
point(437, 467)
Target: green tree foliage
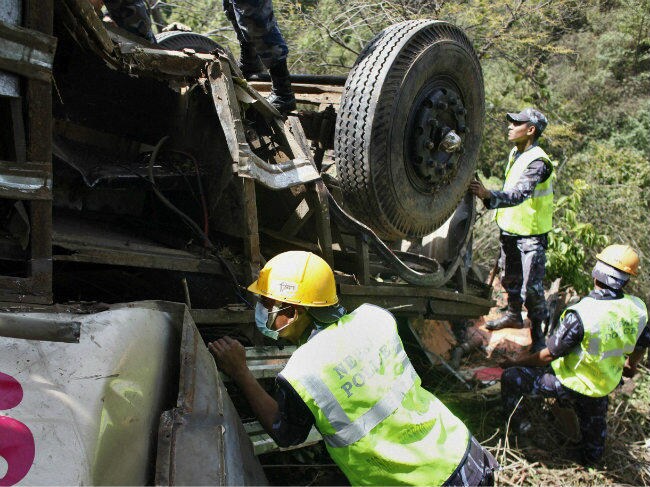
point(616, 202)
point(571, 242)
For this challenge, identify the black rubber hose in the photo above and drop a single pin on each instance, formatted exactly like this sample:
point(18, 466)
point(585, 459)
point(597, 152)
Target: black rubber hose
point(436, 278)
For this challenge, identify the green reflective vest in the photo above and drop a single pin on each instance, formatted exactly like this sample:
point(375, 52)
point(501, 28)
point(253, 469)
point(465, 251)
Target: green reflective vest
point(612, 327)
point(379, 425)
point(534, 215)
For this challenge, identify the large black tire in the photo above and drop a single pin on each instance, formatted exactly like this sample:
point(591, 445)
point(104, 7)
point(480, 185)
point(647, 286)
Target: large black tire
point(177, 40)
point(414, 75)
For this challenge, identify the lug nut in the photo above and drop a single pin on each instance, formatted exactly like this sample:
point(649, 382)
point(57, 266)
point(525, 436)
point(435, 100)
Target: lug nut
point(451, 142)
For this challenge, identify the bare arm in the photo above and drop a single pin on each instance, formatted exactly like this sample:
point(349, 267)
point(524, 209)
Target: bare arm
point(231, 360)
point(629, 369)
point(537, 359)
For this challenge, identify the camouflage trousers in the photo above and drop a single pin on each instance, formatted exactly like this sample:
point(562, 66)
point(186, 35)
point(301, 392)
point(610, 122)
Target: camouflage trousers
point(477, 468)
point(132, 16)
point(257, 30)
point(541, 381)
point(523, 261)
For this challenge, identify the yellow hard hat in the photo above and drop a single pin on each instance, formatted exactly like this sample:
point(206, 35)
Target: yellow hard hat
point(297, 277)
point(621, 257)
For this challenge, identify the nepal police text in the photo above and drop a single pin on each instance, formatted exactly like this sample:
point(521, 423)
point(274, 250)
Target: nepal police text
point(356, 370)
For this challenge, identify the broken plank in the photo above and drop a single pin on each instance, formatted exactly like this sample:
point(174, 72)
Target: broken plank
point(263, 443)
point(26, 52)
point(144, 60)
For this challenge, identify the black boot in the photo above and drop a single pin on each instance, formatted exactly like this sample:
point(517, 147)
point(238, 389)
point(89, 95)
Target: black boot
point(281, 97)
point(510, 319)
point(537, 336)
point(249, 62)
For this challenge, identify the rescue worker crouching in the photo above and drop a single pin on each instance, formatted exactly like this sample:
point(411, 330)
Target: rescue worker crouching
point(598, 340)
point(524, 216)
point(351, 378)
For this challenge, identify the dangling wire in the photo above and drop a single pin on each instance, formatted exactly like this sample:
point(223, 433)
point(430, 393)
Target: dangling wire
point(187, 220)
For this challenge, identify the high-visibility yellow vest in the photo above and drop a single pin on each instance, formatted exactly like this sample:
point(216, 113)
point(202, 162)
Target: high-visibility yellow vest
point(534, 215)
point(378, 423)
point(612, 328)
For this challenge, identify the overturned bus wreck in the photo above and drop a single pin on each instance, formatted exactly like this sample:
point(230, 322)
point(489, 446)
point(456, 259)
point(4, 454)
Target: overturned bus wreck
point(136, 177)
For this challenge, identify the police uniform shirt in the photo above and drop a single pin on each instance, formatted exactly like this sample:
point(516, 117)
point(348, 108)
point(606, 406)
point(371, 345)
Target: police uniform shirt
point(536, 172)
point(570, 330)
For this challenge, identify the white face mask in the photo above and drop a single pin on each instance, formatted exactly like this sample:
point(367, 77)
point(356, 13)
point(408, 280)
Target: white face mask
point(264, 320)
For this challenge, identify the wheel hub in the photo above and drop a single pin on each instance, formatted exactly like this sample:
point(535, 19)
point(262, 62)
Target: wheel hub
point(434, 137)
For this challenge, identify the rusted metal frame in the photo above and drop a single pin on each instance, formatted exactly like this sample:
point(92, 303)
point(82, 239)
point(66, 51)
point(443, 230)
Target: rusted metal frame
point(265, 362)
point(362, 260)
point(297, 219)
point(295, 138)
point(227, 107)
point(395, 304)
point(440, 309)
point(317, 199)
point(25, 181)
point(263, 443)
point(252, 235)
point(85, 36)
point(279, 236)
point(97, 138)
point(18, 126)
point(222, 316)
point(283, 175)
point(316, 192)
point(23, 290)
point(37, 287)
point(204, 426)
point(460, 278)
point(321, 95)
point(39, 96)
point(144, 60)
point(86, 22)
point(429, 307)
point(413, 291)
point(26, 52)
point(99, 255)
point(134, 58)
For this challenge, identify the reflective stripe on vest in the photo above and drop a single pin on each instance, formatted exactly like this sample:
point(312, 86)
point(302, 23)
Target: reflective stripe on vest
point(534, 215)
point(348, 431)
point(379, 425)
point(611, 330)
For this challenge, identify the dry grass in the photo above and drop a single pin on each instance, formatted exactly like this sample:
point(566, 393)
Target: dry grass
point(550, 457)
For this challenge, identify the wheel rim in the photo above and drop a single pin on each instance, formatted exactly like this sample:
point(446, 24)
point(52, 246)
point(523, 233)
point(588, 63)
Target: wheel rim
point(435, 135)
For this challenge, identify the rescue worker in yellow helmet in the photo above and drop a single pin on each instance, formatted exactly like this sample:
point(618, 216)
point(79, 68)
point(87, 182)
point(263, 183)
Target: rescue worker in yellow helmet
point(524, 211)
point(352, 379)
point(598, 340)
